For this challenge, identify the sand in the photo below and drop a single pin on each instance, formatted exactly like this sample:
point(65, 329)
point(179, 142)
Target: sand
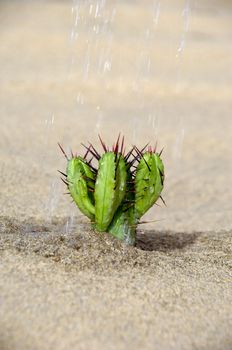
point(62, 285)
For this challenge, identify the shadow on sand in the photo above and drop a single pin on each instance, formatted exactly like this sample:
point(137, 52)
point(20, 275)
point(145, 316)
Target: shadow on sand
point(165, 242)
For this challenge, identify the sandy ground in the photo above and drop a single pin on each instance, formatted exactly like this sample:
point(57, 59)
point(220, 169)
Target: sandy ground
point(151, 71)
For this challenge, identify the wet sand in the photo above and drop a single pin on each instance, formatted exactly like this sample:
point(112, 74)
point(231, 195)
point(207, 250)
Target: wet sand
point(62, 286)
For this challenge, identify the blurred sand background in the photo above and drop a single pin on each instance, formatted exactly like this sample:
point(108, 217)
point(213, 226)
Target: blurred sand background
point(154, 70)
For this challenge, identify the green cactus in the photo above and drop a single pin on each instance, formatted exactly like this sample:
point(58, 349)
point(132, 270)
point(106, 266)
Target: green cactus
point(113, 196)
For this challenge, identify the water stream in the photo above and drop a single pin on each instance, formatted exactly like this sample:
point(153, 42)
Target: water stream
point(115, 48)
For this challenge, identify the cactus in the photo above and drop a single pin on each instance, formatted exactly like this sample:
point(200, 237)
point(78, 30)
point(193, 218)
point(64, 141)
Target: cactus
point(113, 196)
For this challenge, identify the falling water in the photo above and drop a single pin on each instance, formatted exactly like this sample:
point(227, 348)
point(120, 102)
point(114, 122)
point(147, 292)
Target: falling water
point(97, 28)
point(180, 134)
point(186, 13)
point(110, 91)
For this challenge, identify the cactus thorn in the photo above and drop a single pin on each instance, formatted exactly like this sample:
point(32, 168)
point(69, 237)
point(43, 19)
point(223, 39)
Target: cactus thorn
point(95, 155)
point(65, 182)
point(127, 156)
point(62, 150)
point(140, 153)
point(103, 144)
point(161, 151)
point(122, 144)
point(115, 148)
point(155, 147)
point(163, 200)
point(95, 151)
point(72, 155)
point(65, 175)
point(86, 153)
point(143, 149)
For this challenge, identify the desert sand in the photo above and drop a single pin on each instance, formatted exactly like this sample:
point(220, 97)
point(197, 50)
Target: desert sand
point(154, 71)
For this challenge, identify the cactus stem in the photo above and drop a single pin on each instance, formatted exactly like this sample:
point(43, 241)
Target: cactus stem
point(117, 192)
point(62, 150)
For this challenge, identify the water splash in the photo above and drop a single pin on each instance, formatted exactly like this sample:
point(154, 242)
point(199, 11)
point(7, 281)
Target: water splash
point(53, 199)
point(178, 145)
point(70, 222)
point(99, 121)
point(156, 12)
point(48, 129)
point(186, 14)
